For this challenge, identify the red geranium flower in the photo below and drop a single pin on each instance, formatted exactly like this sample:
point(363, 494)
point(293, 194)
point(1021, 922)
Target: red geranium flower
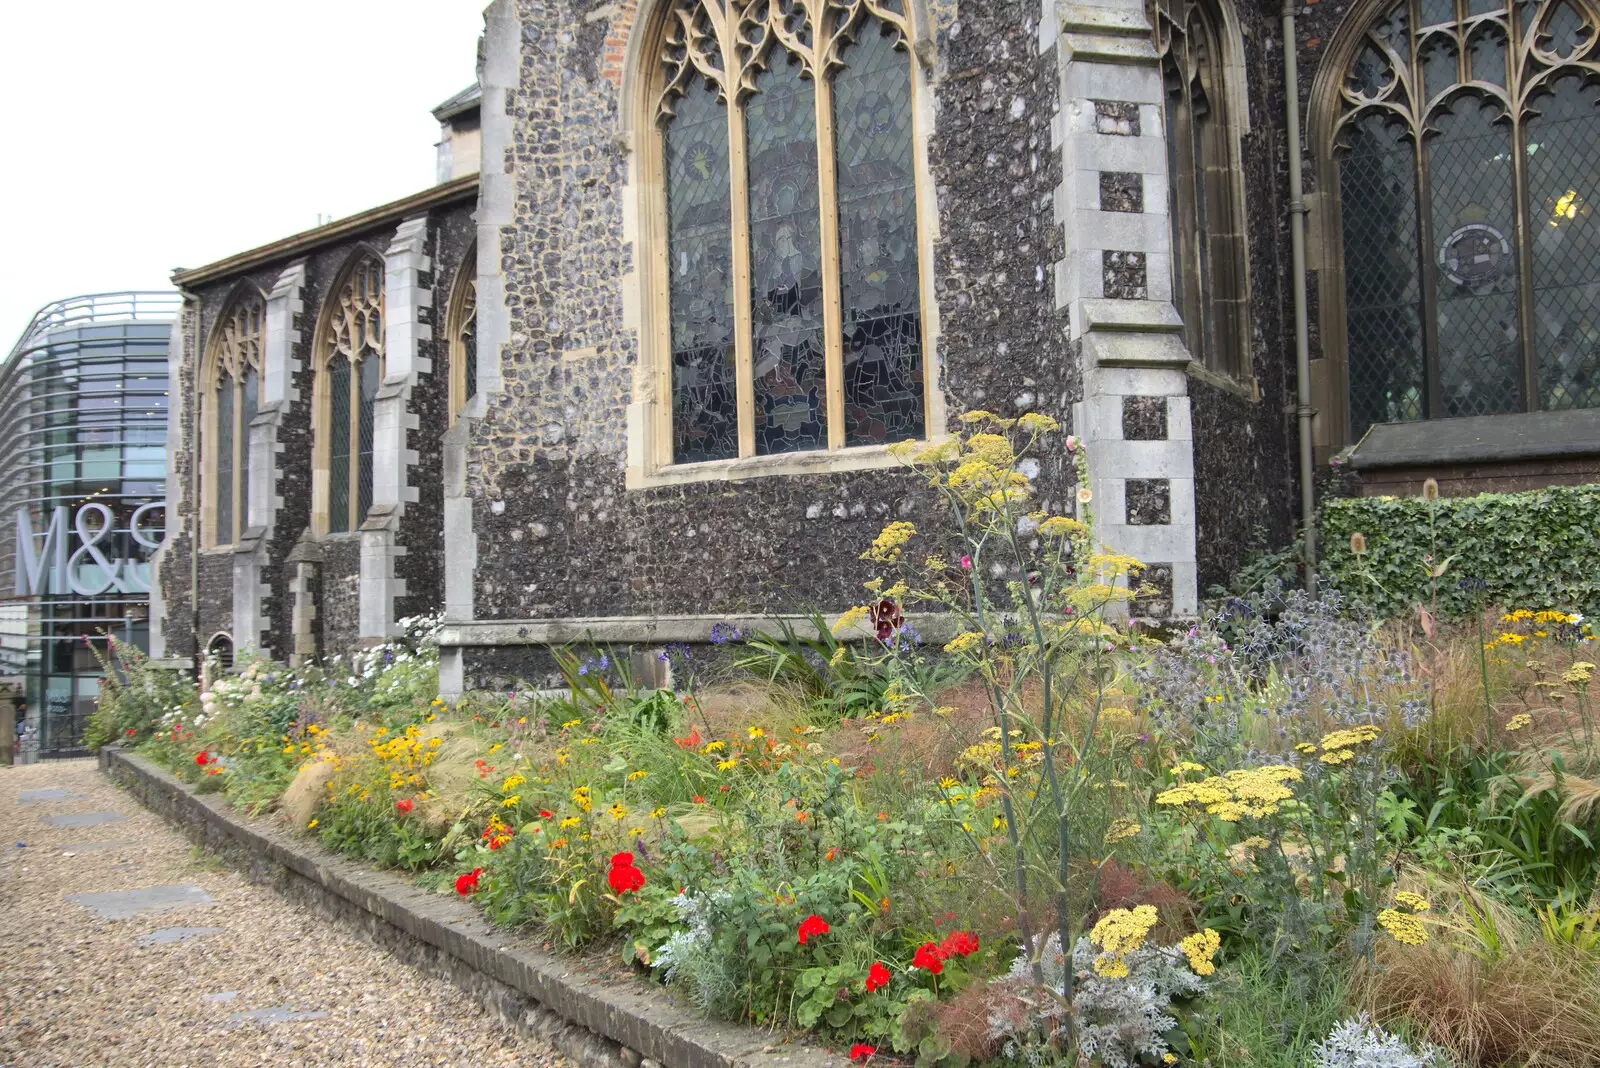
point(878, 975)
point(928, 958)
point(623, 876)
point(699, 800)
point(861, 1051)
point(202, 758)
point(812, 925)
point(546, 814)
point(405, 806)
point(468, 883)
point(959, 944)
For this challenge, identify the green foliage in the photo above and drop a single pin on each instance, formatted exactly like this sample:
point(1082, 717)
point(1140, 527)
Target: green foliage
point(1527, 549)
point(1263, 1016)
point(134, 698)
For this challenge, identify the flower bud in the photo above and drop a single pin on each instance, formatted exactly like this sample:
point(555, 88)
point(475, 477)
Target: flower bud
point(1358, 543)
point(1430, 489)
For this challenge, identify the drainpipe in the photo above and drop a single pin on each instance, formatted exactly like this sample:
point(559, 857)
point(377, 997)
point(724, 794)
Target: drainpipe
point(1297, 273)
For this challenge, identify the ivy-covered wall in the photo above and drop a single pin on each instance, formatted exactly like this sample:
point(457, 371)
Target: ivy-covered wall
point(1532, 550)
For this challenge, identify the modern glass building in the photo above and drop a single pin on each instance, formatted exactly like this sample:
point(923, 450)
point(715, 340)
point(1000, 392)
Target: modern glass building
point(83, 426)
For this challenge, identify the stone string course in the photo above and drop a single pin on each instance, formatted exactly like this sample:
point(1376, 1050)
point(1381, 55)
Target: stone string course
point(597, 1021)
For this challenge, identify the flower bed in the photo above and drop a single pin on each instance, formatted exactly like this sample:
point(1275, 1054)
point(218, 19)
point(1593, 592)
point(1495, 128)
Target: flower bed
point(1052, 837)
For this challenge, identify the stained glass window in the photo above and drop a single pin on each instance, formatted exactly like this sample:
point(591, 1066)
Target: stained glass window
point(225, 455)
point(463, 334)
point(339, 444)
point(350, 372)
point(699, 237)
point(1464, 146)
point(1208, 286)
point(792, 303)
point(878, 262)
point(233, 370)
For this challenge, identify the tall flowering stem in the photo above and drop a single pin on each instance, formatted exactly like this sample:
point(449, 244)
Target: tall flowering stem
point(1031, 592)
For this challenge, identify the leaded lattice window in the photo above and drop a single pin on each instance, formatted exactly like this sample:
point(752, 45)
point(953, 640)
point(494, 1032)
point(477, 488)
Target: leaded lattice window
point(230, 394)
point(790, 262)
point(1208, 286)
point(463, 333)
point(349, 373)
point(1465, 143)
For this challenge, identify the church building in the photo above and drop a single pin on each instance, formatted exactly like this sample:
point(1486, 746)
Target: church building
point(633, 366)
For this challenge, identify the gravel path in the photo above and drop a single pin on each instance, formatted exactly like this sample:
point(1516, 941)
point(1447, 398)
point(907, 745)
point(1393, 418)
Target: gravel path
point(171, 988)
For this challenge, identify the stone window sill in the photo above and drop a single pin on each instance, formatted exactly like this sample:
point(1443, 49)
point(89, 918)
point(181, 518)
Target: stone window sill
point(819, 462)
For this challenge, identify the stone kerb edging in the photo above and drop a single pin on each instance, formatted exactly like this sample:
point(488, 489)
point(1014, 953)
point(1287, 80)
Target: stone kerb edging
point(598, 1023)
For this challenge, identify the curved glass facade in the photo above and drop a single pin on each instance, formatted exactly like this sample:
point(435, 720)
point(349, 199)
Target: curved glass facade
point(83, 427)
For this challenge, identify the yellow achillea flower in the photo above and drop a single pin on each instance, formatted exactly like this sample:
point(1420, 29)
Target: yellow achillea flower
point(1414, 902)
point(1519, 721)
point(991, 449)
point(1346, 739)
point(1200, 948)
point(1581, 671)
point(1119, 932)
point(852, 616)
point(962, 642)
point(1337, 756)
point(1120, 829)
point(1060, 527)
point(1185, 766)
point(1305, 747)
point(1034, 423)
point(1406, 929)
point(887, 546)
point(1230, 797)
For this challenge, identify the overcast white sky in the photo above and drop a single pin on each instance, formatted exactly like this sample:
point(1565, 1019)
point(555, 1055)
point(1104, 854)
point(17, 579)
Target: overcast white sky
point(170, 133)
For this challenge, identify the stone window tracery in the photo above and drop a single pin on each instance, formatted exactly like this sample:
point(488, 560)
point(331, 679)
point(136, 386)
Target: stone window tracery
point(790, 277)
point(1208, 274)
point(462, 328)
point(349, 372)
point(1461, 140)
point(230, 393)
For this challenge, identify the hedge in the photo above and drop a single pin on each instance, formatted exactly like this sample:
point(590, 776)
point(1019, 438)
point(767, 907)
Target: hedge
point(1536, 550)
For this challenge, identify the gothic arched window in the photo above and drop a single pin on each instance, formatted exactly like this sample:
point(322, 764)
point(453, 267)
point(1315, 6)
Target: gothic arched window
point(462, 327)
point(789, 280)
point(1463, 135)
point(349, 371)
point(230, 393)
point(1208, 245)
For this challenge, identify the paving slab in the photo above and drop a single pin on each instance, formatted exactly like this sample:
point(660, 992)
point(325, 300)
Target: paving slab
point(93, 847)
point(126, 904)
point(277, 1014)
point(84, 819)
point(168, 935)
point(34, 797)
point(221, 995)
